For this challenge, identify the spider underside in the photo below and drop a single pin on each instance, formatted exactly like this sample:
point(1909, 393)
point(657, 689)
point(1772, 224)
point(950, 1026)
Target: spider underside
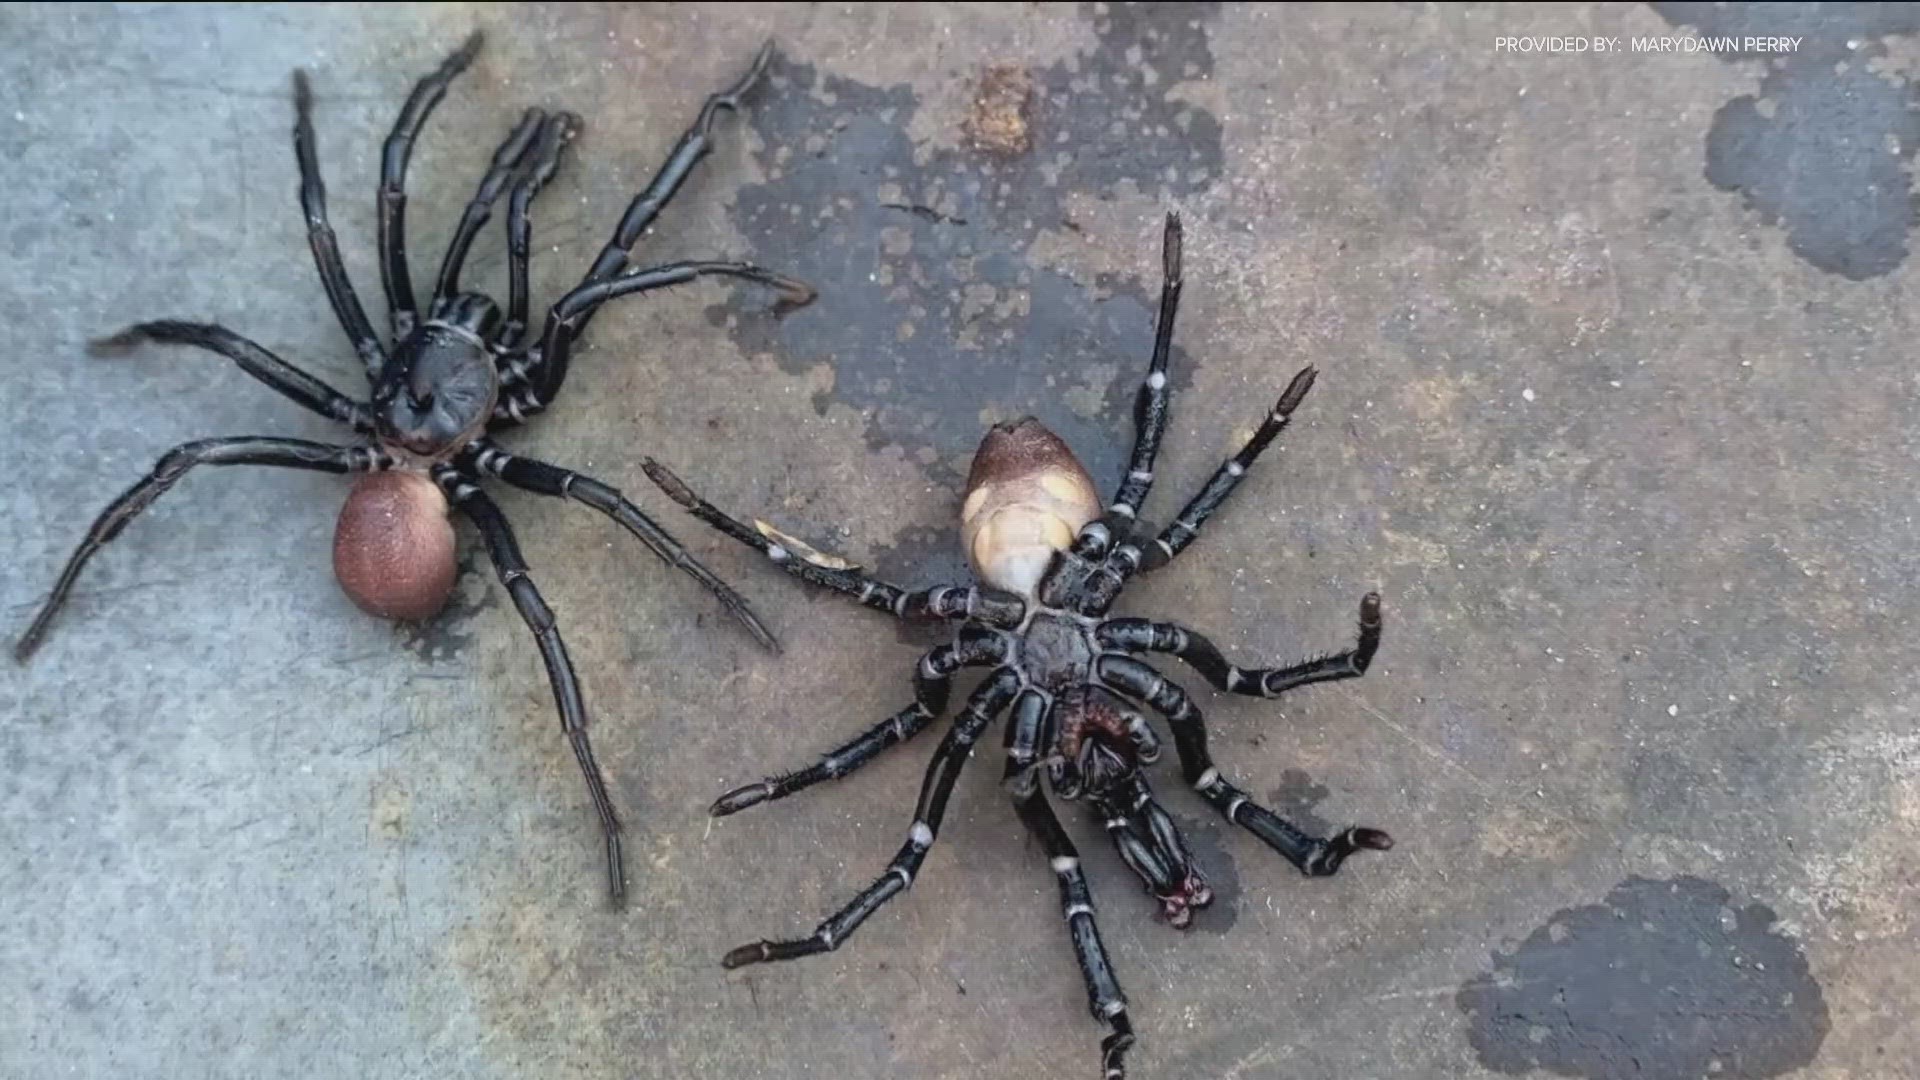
point(1067, 677)
point(444, 384)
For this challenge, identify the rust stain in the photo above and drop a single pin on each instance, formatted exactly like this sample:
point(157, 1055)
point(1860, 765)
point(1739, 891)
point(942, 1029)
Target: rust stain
point(1002, 105)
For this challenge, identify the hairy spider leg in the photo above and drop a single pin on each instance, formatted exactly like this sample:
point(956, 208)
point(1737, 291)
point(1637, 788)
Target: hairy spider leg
point(1151, 405)
point(1312, 855)
point(1142, 635)
point(556, 134)
point(320, 237)
point(394, 156)
point(1151, 845)
point(506, 162)
point(941, 602)
point(1104, 997)
point(253, 358)
point(932, 682)
point(482, 456)
point(504, 550)
point(987, 701)
point(172, 466)
point(548, 369)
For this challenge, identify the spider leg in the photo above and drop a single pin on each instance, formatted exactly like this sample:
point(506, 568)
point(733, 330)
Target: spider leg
point(504, 550)
point(1140, 635)
point(479, 209)
point(393, 182)
point(694, 144)
point(555, 135)
point(948, 602)
point(175, 464)
point(1129, 557)
point(1150, 409)
point(932, 681)
point(253, 359)
point(1151, 845)
point(1027, 726)
point(320, 237)
point(987, 701)
point(1104, 996)
point(548, 369)
point(537, 476)
point(1312, 855)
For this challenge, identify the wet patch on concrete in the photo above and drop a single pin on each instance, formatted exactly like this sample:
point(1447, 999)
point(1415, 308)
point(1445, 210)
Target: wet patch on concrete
point(446, 636)
point(922, 556)
point(1296, 798)
point(1823, 150)
point(931, 313)
point(1664, 980)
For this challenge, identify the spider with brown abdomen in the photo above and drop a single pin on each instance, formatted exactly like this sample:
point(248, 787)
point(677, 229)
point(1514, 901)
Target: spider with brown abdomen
point(1068, 676)
point(444, 386)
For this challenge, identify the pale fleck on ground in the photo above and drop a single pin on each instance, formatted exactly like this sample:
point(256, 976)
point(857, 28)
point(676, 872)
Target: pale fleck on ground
point(1635, 480)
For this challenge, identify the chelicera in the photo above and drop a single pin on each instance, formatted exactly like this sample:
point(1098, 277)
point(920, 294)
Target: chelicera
point(1069, 678)
point(443, 386)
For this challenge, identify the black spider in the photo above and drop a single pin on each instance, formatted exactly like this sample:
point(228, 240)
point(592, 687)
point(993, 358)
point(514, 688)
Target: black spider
point(446, 383)
point(1033, 531)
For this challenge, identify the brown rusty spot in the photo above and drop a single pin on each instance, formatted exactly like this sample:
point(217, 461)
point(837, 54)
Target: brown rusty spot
point(1002, 101)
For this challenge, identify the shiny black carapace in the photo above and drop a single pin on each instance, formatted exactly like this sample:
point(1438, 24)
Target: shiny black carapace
point(447, 381)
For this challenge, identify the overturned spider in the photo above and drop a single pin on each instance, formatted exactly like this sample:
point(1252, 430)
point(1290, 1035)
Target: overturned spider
point(446, 383)
point(1054, 565)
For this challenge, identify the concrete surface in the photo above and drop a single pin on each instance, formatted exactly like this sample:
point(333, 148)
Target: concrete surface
point(1616, 410)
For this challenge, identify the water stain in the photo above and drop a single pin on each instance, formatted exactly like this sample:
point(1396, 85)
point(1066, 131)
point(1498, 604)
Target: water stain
point(445, 636)
point(925, 556)
point(1296, 798)
point(1664, 980)
point(931, 314)
point(1823, 149)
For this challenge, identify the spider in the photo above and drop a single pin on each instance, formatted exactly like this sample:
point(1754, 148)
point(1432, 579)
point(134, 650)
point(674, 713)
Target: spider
point(443, 386)
point(1068, 677)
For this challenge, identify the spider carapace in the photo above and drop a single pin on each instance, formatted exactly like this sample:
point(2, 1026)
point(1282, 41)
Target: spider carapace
point(1069, 679)
point(437, 391)
point(441, 388)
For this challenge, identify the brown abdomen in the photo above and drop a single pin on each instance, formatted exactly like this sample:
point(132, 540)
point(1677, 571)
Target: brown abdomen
point(393, 546)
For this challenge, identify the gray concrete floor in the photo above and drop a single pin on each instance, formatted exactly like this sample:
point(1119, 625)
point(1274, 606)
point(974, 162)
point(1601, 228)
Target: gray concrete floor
point(1616, 410)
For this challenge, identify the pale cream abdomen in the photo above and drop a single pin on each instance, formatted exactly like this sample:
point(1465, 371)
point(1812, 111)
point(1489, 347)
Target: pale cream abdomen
point(1027, 496)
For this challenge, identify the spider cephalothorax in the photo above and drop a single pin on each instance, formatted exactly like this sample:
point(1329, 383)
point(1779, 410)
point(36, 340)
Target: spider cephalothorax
point(1067, 677)
point(442, 386)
